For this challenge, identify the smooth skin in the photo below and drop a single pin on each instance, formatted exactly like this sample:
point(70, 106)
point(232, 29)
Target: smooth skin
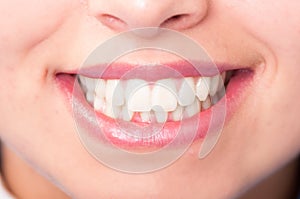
point(41, 38)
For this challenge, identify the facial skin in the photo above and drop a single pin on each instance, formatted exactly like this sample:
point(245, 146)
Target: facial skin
point(42, 38)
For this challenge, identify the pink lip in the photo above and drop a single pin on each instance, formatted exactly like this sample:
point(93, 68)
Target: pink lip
point(95, 122)
point(157, 71)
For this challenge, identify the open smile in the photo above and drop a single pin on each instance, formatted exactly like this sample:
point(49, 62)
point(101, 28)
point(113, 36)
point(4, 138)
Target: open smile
point(129, 106)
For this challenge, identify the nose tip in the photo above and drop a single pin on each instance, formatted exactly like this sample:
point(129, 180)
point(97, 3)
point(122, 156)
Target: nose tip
point(120, 15)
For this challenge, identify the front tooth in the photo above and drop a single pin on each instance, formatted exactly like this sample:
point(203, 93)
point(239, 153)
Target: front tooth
point(193, 108)
point(170, 84)
point(202, 88)
point(163, 95)
point(206, 104)
point(161, 116)
point(177, 114)
point(139, 98)
point(133, 85)
point(186, 94)
point(214, 84)
point(114, 93)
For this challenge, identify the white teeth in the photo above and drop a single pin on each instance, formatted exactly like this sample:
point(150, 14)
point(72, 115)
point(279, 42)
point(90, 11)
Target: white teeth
point(193, 108)
point(186, 94)
point(173, 98)
point(170, 84)
point(139, 99)
point(114, 93)
point(214, 84)
point(202, 88)
point(100, 88)
point(133, 85)
point(109, 90)
point(177, 114)
point(163, 95)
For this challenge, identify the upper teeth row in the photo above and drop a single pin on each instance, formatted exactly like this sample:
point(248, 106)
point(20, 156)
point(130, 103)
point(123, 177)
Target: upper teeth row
point(138, 95)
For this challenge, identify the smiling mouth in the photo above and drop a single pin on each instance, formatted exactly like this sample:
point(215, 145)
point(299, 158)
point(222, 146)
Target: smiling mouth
point(170, 102)
point(164, 100)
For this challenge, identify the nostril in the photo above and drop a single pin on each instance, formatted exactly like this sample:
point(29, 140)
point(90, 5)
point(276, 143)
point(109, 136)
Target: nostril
point(112, 22)
point(174, 18)
point(180, 21)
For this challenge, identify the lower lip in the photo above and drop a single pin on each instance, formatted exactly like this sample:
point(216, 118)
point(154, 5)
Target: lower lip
point(168, 132)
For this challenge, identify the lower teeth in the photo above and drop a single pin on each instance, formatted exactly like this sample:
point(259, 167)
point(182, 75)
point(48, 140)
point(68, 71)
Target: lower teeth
point(103, 95)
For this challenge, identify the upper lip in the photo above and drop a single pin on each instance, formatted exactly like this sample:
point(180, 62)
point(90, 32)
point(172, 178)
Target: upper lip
point(154, 72)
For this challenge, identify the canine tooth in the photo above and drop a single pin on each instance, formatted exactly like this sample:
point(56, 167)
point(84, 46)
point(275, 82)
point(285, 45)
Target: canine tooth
point(202, 88)
point(177, 114)
point(206, 104)
point(139, 101)
point(161, 116)
point(114, 93)
point(193, 108)
point(163, 95)
point(126, 115)
point(100, 88)
point(214, 84)
point(186, 93)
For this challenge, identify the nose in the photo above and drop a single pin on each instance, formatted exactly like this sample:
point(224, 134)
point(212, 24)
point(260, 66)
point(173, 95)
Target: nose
point(121, 15)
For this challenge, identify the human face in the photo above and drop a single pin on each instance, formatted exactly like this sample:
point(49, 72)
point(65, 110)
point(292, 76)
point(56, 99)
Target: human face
point(40, 39)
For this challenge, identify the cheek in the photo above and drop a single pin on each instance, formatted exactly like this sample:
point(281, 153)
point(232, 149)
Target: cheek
point(276, 23)
point(24, 24)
